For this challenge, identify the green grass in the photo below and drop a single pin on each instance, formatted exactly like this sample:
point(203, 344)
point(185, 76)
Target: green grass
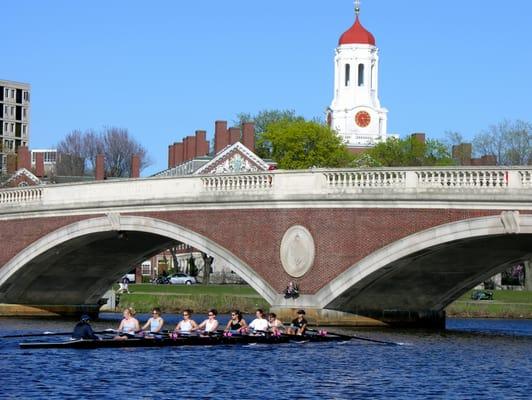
point(199, 298)
point(233, 290)
point(505, 304)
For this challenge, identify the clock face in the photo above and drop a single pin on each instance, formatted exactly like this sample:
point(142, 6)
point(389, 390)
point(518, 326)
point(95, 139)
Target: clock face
point(362, 119)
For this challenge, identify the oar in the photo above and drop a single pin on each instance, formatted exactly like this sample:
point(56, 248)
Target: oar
point(46, 333)
point(349, 337)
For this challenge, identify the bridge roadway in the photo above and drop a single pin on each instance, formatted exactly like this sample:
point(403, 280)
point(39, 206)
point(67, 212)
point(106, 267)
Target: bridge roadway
point(392, 245)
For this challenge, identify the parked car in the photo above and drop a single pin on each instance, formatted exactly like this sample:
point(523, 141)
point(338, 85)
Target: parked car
point(182, 279)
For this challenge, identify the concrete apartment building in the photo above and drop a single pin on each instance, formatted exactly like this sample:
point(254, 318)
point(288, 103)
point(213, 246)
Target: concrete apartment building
point(14, 118)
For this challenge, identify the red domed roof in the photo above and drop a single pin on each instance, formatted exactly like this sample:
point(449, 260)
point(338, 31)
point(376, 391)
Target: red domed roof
point(357, 34)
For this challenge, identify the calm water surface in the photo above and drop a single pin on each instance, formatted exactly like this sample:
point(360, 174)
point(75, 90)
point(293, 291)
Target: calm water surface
point(487, 359)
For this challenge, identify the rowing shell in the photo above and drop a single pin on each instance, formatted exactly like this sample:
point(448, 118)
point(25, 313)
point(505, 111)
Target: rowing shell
point(180, 341)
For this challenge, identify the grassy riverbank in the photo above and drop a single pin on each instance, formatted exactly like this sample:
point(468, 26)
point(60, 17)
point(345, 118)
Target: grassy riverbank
point(505, 304)
point(174, 298)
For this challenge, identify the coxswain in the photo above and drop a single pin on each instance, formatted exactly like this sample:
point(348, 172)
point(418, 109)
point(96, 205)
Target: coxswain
point(83, 329)
point(298, 325)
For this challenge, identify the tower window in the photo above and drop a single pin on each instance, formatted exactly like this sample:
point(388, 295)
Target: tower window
point(360, 74)
point(347, 74)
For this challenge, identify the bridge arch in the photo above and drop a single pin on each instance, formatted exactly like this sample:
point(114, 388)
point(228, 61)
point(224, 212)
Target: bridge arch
point(113, 223)
point(383, 263)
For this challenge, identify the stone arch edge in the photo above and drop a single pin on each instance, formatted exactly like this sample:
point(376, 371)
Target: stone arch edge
point(476, 227)
point(142, 224)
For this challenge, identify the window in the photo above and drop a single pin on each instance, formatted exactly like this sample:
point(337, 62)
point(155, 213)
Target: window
point(24, 130)
point(26, 96)
point(347, 74)
point(12, 93)
point(12, 111)
point(12, 127)
point(25, 113)
point(360, 74)
point(6, 93)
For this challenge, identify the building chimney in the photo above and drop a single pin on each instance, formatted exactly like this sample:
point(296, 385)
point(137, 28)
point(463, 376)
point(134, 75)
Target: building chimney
point(100, 167)
point(221, 136)
point(418, 136)
point(461, 153)
point(178, 153)
point(135, 166)
point(171, 156)
point(39, 165)
point(234, 135)
point(11, 163)
point(202, 145)
point(191, 147)
point(23, 158)
point(248, 135)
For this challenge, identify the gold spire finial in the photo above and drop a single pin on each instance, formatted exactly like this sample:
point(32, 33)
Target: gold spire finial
point(357, 7)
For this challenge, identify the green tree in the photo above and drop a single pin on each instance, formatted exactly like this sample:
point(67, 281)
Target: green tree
point(509, 141)
point(303, 144)
point(409, 152)
point(262, 120)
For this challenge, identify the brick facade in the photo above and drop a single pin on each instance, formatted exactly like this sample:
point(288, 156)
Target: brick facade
point(342, 236)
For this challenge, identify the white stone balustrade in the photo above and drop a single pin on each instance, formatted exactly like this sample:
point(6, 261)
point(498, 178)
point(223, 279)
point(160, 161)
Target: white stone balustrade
point(20, 195)
point(315, 187)
point(237, 182)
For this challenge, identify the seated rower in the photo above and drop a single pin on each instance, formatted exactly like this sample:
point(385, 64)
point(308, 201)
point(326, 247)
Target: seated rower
point(259, 324)
point(128, 326)
point(298, 325)
point(187, 325)
point(236, 324)
point(83, 329)
point(276, 325)
point(210, 324)
point(155, 322)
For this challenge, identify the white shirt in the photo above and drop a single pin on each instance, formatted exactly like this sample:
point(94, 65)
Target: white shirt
point(259, 324)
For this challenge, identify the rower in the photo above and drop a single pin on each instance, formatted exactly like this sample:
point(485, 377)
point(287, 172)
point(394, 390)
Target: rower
point(259, 325)
point(128, 326)
point(155, 322)
point(83, 329)
point(210, 325)
point(237, 323)
point(276, 325)
point(187, 325)
point(298, 325)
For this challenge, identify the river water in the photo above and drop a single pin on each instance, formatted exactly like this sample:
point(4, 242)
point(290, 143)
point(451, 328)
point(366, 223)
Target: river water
point(487, 359)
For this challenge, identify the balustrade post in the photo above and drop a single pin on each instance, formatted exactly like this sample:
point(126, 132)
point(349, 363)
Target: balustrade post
point(411, 179)
point(513, 179)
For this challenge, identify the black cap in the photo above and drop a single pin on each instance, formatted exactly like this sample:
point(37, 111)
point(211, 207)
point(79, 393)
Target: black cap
point(301, 312)
point(85, 318)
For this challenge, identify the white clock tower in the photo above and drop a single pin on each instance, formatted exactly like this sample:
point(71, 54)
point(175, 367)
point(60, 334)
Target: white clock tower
point(355, 112)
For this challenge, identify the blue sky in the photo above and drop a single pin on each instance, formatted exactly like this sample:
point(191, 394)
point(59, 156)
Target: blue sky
point(163, 69)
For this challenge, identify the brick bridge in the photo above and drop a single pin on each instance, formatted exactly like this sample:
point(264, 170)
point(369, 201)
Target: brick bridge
point(394, 245)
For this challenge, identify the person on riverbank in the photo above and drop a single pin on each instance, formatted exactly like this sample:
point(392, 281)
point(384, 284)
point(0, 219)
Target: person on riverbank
point(210, 325)
point(276, 325)
point(128, 326)
point(298, 325)
point(155, 322)
point(259, 325)
point(237, 324)
point(83, 329)
point(187, 325)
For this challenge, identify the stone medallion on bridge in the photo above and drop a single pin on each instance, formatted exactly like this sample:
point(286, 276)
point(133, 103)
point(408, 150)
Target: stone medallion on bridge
point(297, 251)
